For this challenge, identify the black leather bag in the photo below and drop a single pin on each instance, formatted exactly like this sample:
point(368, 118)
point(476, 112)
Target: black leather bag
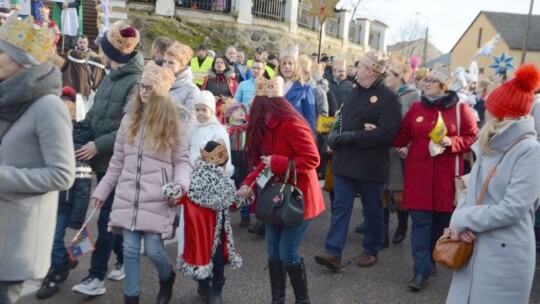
point(281, 203)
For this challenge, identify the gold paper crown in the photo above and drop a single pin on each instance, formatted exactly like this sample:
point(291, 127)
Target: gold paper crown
point(31, 38)
point(441, 73)
point(374, 61)
point(269, 87)
point(289, 50)
point(180, 51)
point(44, 9)
point(125, 45)
point(161, 76)
point(398, 64)
point(218, 156)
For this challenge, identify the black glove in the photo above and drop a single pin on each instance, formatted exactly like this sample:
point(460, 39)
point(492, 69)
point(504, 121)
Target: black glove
point(340, 140)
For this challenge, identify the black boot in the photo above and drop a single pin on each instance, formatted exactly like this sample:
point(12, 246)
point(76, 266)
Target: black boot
point(386, 219)
point(204, 290)
point(401, 231)
point(297, 274)
point(215, 292)
point(165, 289)
point(277, 281)
point(49, 286)
point(258, 228)
point(131, 300)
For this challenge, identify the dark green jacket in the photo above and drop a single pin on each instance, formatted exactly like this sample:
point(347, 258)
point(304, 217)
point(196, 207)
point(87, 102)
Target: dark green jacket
point(106, 114)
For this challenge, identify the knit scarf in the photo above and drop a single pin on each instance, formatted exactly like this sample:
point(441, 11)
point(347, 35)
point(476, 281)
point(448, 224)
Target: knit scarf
point(18, 92)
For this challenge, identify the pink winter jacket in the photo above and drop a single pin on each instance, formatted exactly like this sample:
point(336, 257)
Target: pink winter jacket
point(139, 204)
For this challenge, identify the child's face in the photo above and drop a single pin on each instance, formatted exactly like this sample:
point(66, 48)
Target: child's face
point(238, 115)
point(203, 113)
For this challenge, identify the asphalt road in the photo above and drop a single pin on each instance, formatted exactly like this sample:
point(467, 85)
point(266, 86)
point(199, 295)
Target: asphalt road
point(386, 282)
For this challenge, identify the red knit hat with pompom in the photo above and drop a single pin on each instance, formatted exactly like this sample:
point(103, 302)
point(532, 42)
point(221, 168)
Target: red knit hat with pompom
point(514, 98)
point(69, 93)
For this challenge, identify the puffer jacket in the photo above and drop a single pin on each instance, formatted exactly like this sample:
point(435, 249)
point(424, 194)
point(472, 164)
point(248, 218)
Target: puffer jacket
point(108, 109)
point(184, 91)
point(138, 175)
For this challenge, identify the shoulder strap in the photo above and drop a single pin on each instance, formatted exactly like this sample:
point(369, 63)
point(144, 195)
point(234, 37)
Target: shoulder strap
point(494, 170)
point(458, 118)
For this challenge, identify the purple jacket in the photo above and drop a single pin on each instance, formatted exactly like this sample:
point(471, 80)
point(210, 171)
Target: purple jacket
point(139, 204)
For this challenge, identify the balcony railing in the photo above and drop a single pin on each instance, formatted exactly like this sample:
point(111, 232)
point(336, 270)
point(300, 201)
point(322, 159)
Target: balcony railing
point(269, 9)
point(305, 21)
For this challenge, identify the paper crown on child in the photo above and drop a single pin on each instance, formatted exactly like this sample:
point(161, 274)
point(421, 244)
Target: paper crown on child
point(27, 36)
point(44, 10)
point(289, 50)
point(442, 74)
point(161, 76)
point(180, 51)
point(374, 61)
point(269, 87)
point(215, 153)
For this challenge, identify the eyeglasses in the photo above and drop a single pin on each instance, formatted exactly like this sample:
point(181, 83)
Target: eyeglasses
point(144, 87)
point(430, 80)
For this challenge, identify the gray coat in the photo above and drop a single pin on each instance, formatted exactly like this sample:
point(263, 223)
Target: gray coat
point(184, 91)
point(36, 160)
point(501, 268)
point(321, 102)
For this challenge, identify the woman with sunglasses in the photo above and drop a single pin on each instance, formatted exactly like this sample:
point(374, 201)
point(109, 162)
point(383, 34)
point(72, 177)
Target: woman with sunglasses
point(430, 166)
point(150, 169)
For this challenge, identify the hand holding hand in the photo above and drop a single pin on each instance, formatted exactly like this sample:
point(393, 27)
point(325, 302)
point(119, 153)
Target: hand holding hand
point(402, 152)
point(245, 192)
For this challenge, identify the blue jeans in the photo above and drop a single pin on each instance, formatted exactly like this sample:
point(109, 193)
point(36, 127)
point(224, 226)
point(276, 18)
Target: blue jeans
point(59, 254)
point(106, 241)
point(153, 249)
point(282, 243)
point(427, 228)
point(345, 189)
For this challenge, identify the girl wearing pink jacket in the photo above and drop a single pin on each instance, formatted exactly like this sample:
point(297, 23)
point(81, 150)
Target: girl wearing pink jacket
point(150, 169)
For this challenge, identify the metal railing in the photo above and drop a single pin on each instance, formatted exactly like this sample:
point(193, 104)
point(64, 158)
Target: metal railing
point(331, 26)
point(269, 9)
point(216, 6)
point(354, 32)
point(305, 21)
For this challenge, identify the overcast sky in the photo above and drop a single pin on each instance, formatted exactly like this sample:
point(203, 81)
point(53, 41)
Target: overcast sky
point(447, 19)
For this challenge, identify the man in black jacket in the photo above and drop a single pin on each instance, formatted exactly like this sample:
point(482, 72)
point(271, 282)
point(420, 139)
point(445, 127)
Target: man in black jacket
point(369, 120)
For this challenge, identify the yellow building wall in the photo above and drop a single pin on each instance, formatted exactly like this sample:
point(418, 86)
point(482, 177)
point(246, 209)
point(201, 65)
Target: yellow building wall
point(468, 46)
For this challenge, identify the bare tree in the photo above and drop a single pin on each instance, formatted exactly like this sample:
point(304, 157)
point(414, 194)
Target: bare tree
point(410, 38)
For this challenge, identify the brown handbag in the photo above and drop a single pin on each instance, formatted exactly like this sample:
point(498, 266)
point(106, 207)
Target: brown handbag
point(454, 254)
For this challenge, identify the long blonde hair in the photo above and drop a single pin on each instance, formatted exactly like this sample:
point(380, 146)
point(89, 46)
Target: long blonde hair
point(490, 128)
point(158, 117)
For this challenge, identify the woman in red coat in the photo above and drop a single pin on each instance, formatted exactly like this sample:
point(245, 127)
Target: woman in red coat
point(278, 133)
point(430, 167)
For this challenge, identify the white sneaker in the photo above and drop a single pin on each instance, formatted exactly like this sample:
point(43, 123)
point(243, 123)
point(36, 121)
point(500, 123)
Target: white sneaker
point(117, 273)
point(90, 286)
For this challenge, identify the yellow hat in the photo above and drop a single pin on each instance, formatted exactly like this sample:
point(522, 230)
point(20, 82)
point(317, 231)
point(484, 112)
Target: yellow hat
point(27, 36)
point(269, 87)
point(161, 76)
point(181, 51)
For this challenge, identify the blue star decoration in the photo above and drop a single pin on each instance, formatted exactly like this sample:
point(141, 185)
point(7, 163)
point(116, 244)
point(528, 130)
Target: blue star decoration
point(502, 64)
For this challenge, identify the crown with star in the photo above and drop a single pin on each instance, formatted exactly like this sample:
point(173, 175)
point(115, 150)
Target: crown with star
point(31, 38)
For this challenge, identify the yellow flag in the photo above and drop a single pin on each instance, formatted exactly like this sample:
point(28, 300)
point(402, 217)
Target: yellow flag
point(324, 124)
point(439, 131)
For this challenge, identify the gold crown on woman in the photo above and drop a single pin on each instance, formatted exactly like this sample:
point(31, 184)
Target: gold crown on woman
point(289, 50)
point(269, 87)
point(375, 61)
point(28, 36)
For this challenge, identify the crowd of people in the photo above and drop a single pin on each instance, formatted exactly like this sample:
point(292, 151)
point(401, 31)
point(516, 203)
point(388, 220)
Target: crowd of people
point(181, 141)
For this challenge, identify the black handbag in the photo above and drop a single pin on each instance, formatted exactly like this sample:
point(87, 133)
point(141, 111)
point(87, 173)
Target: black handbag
point(281, 203)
